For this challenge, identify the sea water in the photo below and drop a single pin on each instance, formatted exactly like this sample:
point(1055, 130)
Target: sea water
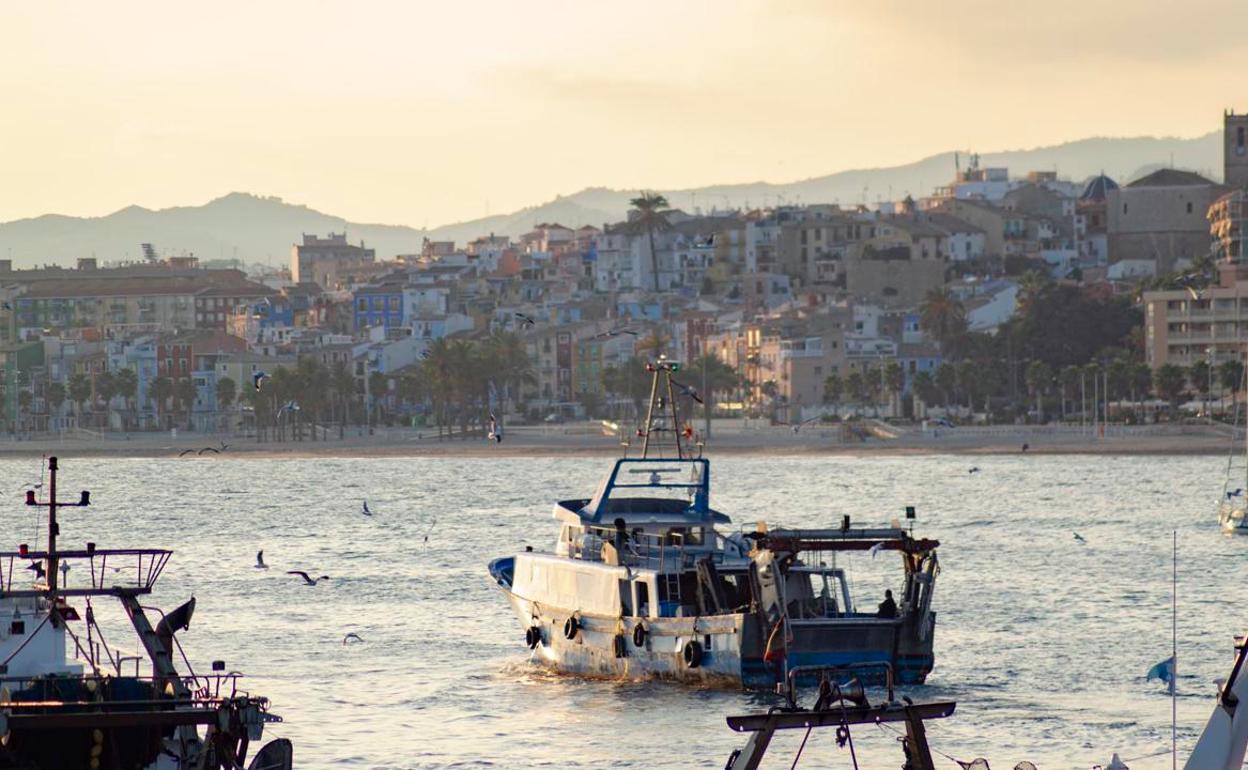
point(1042, 640)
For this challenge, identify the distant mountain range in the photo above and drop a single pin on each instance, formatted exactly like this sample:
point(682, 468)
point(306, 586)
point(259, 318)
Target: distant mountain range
point(262, 229)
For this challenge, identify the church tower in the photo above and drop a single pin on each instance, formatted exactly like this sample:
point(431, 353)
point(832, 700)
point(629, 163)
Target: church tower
point(1235, 149)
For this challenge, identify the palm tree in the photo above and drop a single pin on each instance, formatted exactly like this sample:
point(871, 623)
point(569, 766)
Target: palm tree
point(227, 393)
point(106, 390)
point(342, 382)
point(510, 364)
point(79, 391)
point(943, 318)
point(709, 375)
point(127, 386)
point(1199, 376)
point(1030, 286)
point(833, 387)
point(895, 380)
point(1039, 376)
point(925, 387)
point(650, 218)
point(854, 386)
point(184, 393)
point(159, 391)
point(1068, 378)
point(1231, 376)
point(55, 395)
point(947, 381)
point(1169, 380)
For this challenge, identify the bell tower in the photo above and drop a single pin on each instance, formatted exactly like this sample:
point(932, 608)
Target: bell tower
point(1234, 149)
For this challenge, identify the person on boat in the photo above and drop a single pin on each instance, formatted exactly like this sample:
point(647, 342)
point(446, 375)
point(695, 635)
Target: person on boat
point(888, 607)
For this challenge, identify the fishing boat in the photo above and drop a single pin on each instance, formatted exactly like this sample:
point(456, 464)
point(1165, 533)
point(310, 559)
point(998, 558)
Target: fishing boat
point(71, 700)
point(643, 581)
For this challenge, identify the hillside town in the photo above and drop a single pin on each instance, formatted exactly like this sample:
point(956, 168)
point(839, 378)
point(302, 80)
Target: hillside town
point(1000, 297)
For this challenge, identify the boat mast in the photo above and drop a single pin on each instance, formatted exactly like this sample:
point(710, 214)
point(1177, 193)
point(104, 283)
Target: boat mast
point(662, 399)
point(53, 528)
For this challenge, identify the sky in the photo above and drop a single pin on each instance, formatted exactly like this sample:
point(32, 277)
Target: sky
point(426, 113)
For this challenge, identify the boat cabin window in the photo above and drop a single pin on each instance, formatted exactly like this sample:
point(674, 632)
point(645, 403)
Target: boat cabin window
point(682, 536)
point(17, 627)
point(815, 594)
point(643, 598)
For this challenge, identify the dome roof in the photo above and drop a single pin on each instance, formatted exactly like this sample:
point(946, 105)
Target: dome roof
point(1098, 188)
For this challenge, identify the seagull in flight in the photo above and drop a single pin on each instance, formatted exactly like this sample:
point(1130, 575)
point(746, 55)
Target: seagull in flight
point(525, 320)
point(257, 378)
point(212, 449)
point(7, 306)
point(37, 568)
point(974, 469)
point(260, 560)
point(1239, 491)
point(496, 429)
point(1079, 538)
point(351, 637)
point(615, 333)
point(433, 523)
point(307, 580)
point(685, 390)
point(186, 452)
point(797, 426)
point(364, 510)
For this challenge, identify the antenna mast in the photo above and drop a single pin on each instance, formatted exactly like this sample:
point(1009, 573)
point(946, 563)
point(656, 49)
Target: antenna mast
point(662, 410)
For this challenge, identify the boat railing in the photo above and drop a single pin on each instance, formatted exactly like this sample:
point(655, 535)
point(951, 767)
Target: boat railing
point(669, 552)
point(202, 690)
point(116, 571)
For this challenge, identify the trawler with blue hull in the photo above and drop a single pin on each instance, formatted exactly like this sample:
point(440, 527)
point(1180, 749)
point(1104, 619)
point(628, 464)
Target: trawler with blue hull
point(644, 581)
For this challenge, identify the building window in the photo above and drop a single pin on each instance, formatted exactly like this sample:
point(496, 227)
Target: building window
point(1124, 208)
point(1239, 136)
point(1189, 207)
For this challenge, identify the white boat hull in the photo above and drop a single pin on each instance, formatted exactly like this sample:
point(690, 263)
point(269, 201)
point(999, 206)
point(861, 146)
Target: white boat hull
point(593, 651)
point(1233, 517)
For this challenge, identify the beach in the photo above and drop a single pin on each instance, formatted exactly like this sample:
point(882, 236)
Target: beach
point(728, 437)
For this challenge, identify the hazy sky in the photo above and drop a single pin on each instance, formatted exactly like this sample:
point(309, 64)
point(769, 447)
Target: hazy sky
point(430, 112)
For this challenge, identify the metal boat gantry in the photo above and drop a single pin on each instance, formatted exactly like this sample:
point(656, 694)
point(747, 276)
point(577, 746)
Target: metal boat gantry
point(642, 583)
point(66, 701)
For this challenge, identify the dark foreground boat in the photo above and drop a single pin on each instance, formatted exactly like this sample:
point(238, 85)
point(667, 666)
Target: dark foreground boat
point(70, 700)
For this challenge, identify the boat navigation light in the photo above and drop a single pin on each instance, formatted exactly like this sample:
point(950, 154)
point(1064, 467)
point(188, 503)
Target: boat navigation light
point(23, 549)
point(845, 523)
point(30, 497)
point(90, 549)
point(909, 511)
point(85, 500)
point(218, 665)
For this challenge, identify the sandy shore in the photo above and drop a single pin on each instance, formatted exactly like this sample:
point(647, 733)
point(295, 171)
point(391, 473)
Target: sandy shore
point(582, 440)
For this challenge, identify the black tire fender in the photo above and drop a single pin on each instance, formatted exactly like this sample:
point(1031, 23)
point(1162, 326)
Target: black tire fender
point(571, 627)
point(692, 654)
point(639, 635)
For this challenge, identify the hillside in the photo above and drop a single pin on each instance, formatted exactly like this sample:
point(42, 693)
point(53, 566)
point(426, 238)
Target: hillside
point(262, 229)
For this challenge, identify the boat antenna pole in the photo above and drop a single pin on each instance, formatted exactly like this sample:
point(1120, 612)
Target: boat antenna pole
point(654, 388)
point(53, 529)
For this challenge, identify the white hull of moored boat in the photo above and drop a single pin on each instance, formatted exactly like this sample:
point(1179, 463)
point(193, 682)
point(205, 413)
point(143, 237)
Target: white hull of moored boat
point(606, 646)
point(1233, 518)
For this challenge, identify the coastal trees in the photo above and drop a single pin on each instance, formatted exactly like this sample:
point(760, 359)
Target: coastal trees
point(55, 395)
point(943, 318)
point(79, 391)
point(925, 388)
point(184, 394)
point(947, 381)
point(855, 388)
point(127, 386)
point(1069, 379)
point(833, 387)
point(159, 391)
point(650, 219)
point(895, 381)
point(1038, 377)
point(1168, 379)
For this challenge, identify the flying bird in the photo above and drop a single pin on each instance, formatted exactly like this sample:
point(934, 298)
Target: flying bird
point(260, 560)
point(974, 470)
point(1239, 491)
point(797, 426)
point(615, 333)
point(525, 320)
point(685, 390)
point(432, 524)
point(257, 378)
point(351, 637)
point(186, 452)
point(364, 510)
point(7, 306)
point(212, 449)
point(308, 580)
point(1079, 538)
point(1026, 447)
point(37, 568)
point(875, 549)
point(496, 429)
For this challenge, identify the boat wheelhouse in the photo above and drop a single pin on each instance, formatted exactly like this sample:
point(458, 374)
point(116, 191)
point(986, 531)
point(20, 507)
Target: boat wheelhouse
point(70, 700)
point(644, 582)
